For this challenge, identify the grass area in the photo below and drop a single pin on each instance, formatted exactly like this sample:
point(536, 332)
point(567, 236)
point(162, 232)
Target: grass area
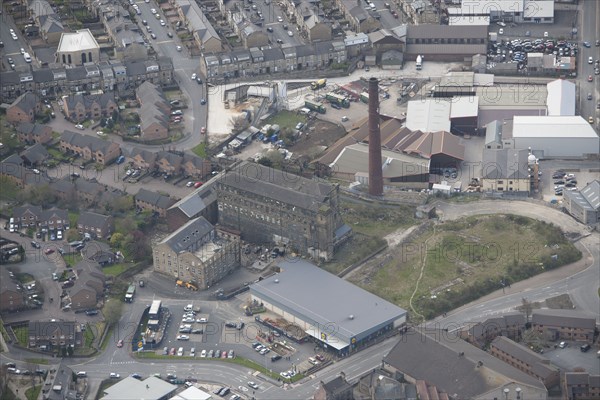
point(286, 119)
point(354, 250)
point(73, 217)
point(33, 392)
point(22, 334)
point(88, 337)
point(9, 189)
point(374, 220)
point(200, 150)
point(115, 269)
point(4, 334)
point(105, 385)
point(107, 337)
point(37, 361)
point(466, 259)
point(238, 360)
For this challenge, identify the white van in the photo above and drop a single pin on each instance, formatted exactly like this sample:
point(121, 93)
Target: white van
point(189, 307)
point(27, 57)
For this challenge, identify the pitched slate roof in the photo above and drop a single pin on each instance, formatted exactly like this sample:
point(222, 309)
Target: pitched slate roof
point(570, 318)
point(27, 101)
point(19, 212)
point(156, 199)
point(33, 129)
point(93, 143)
point(277, 185)
point(505, 164)
point(452, 365)
point(88, 218)
point(35, 154)
point(188, 235)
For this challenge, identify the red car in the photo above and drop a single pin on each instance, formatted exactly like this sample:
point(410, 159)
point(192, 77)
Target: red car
point(319, 357)
point(224, 354)
point(590, 78)
point(120, 343)
point(172, 351)
point(198, 184)
point(48, 251)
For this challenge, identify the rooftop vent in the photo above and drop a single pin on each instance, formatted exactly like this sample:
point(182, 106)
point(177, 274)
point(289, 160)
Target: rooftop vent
point(276, 280)
point(351, 316)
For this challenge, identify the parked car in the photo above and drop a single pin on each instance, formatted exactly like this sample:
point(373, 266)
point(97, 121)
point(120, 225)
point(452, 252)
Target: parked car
point(114, 375)
point(120, 343)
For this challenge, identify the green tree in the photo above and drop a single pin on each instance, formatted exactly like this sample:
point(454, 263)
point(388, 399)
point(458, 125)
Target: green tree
point(112, 311)
point(116, 240)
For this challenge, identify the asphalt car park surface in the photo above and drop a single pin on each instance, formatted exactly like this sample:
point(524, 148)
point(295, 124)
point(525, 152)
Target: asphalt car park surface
point(572, 357)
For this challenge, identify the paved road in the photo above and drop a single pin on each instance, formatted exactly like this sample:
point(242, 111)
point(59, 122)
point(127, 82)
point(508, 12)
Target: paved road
point(589, 25)
point(12, 48)
point(579, 280)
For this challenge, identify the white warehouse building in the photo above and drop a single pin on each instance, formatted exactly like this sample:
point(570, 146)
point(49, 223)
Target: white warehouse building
point(553, 136)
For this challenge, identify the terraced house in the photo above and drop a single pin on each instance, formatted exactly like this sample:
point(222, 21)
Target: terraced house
point(152, 201)
point(79, 107)
point(46, 335)
point(564, 324)
point(34, 133)
point(89, 148)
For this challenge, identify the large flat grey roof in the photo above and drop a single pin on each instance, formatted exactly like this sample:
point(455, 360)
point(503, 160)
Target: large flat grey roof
point(131, 388)
point(316, 295)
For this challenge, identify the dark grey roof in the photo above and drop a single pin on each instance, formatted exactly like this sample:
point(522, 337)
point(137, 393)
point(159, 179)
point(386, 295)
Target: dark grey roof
point(577, 378)
point(570, 318)
point(13, 159)
point(47, 328)
point(18, 212)
point(277, 185)
point(36, 153)
point(93, 143)
point(591, 193)
point(451, 364)
point(135, 68)
point(32, 129)
point(336, 385)
point(63, 185)
point(172, 158)
point(430, 31)
point(62, 378)
point(52, 212)
point(188, 235)
point(10, 78)
point(27, 101)
point(156, 199)
point(76, 74)
point(505, 164)
point(89, 186)
point(92, 219)
point(540, 364)
point(193, 159)
point(272, 54)
point(305, 50)
point(195, 202)
point(329, 302)
point(43, 75)
point(146, 155)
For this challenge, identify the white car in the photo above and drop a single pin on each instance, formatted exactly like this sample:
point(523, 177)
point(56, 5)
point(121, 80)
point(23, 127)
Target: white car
point(22, 50)
point(180, 352)
point(183, 337)
point(59, 235)
point(36, 171)
point(162, 23)
point(203, 354)
point(153, 10)
point(194, 76)
point(193, 352)
point(157, 15)
point(12, 31)
point(114, 375)
point(189, 184)
point(79, 126)
point(178, 48)
point(100, 133)
point(202, 320)
point(279, 19)
point(290, 33)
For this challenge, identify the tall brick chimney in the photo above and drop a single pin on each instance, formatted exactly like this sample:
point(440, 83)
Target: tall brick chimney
point(375, 173)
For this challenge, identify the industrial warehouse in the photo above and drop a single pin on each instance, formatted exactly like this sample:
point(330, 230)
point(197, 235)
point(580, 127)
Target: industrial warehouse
point(337, 314)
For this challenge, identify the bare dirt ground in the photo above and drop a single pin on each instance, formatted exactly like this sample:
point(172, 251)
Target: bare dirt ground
point(321, 134)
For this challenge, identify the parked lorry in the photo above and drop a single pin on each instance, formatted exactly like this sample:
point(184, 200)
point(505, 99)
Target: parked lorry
point(338, 99)
point(130, 293)
point(318, 84)
point(315, 106)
